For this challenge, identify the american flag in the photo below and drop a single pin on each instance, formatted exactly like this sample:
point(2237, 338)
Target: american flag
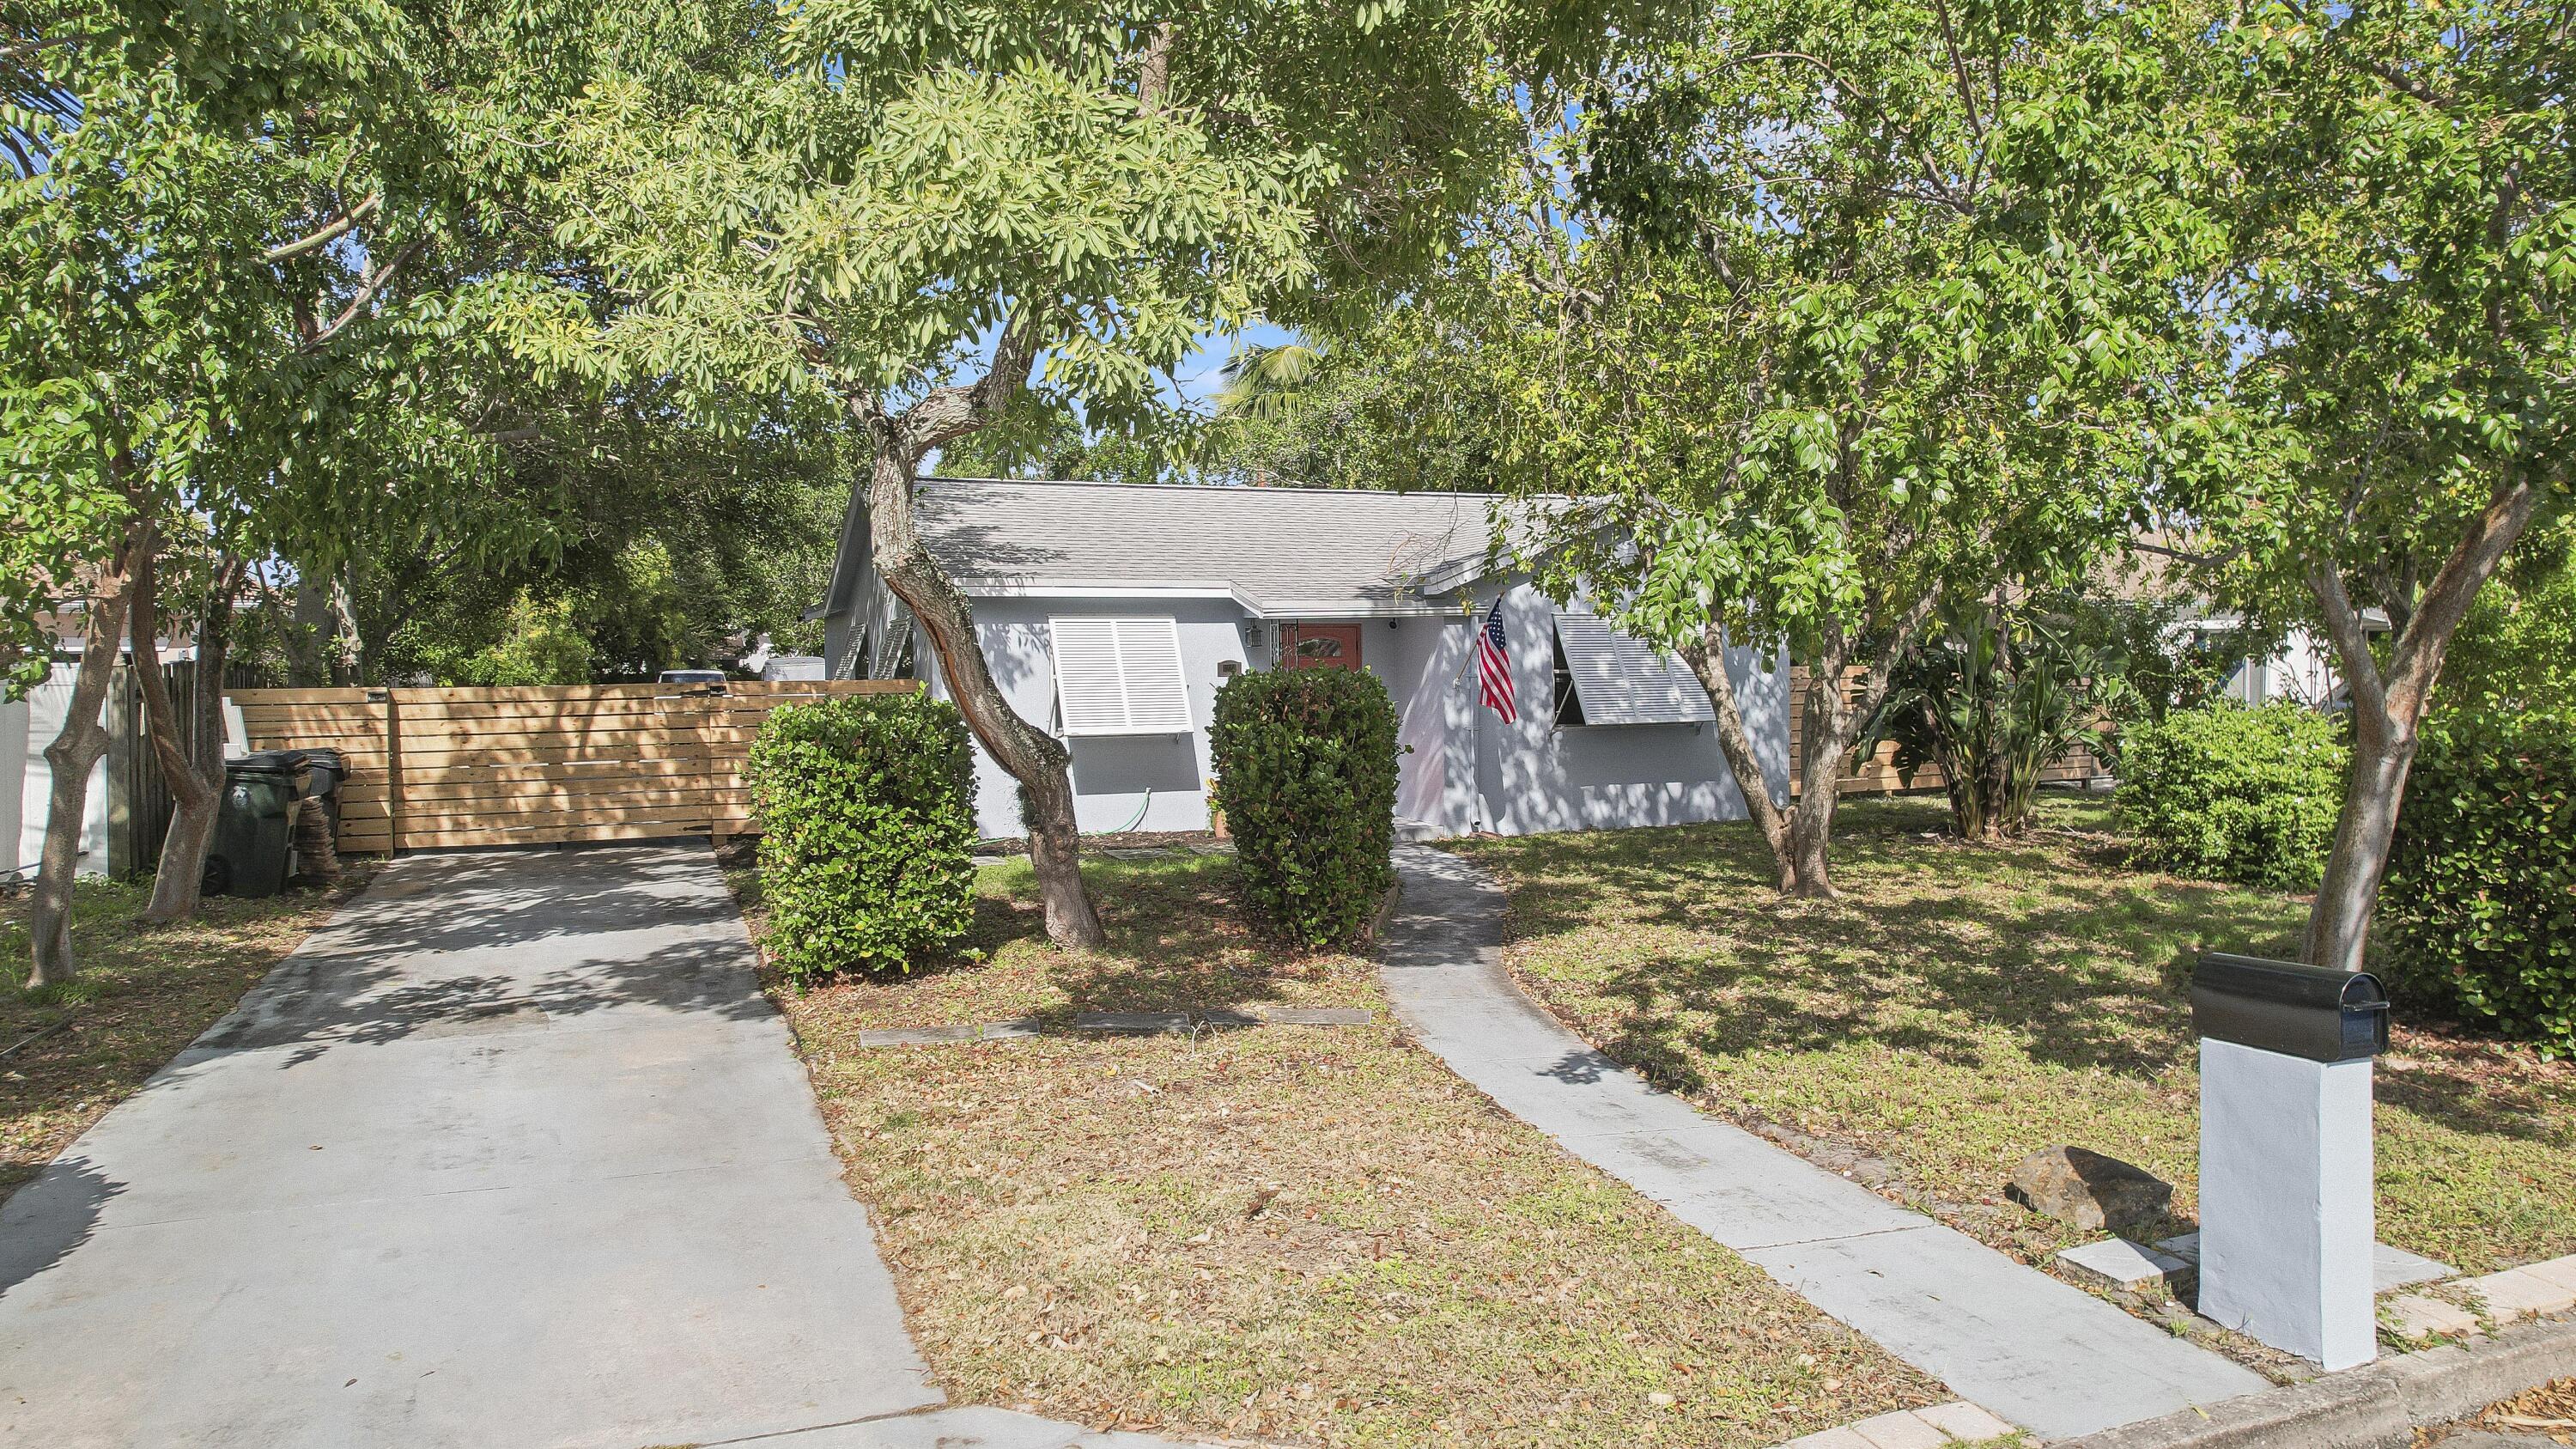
point(1494, 665)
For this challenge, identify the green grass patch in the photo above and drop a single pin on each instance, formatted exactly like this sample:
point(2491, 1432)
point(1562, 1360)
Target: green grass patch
point(1963, 1006)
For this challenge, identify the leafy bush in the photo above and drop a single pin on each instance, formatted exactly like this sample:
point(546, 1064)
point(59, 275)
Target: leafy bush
point(1306, 765)
point(1993, 701)
point(2235, 794)
point(866, 805)
point(2478, 915)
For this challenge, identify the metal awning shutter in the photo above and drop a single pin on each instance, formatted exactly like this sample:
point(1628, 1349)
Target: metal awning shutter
point(1119, 676)
point(1623, 680)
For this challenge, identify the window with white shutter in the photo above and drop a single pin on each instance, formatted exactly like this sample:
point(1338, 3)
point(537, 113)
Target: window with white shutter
point(1119, 676)
point(1618, 679)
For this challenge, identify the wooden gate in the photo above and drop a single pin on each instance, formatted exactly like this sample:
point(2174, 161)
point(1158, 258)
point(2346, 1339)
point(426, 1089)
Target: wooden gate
point(534, 764)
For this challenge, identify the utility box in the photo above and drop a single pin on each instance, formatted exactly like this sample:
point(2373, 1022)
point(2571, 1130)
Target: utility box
point(2287, 1211)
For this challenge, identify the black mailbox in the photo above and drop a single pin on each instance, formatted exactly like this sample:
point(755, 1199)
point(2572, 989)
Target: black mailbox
point(2315, 1012)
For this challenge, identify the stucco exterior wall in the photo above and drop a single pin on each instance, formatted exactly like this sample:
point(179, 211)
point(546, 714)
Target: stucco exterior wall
point(1120, 782)
point(1463, 768)
point(1531, 776)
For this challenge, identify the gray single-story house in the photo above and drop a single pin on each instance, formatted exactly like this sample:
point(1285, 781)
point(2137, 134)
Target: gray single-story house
point(1110, 614)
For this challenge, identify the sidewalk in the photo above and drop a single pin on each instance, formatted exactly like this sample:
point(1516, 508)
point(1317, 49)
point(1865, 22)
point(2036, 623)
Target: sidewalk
point(2011, 1339)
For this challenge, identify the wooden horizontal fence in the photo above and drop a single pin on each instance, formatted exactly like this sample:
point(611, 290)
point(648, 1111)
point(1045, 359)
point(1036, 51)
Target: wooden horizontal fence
point(1878, 772)
point(535, 764)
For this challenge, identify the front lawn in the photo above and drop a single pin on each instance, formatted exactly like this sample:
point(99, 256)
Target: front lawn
point(143, 993)
point(1961, 1007)
point(1311, 1233)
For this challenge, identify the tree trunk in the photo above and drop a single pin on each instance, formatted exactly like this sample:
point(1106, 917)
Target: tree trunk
point(1037, 760)
point(1826, 728)
point(2387, 712)
point(308, 635)
point(350, 650)
point(1829, 727)
point(1707, 659)
point(72, 755)
point(2383, 750)
point(192, 757)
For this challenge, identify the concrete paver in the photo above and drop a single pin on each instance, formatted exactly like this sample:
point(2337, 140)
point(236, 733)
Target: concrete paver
point(2414, 1316)
point(2040, 1353)
point(2520, 1293)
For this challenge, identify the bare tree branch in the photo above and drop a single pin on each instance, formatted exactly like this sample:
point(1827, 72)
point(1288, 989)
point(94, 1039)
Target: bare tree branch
point(358, 303)
point(1154, 78)
point(331, 231)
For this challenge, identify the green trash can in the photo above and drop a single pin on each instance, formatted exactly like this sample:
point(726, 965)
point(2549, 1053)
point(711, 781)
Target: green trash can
point(253, 846)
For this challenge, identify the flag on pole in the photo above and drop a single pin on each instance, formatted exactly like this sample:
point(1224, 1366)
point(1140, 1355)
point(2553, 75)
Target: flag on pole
point(1494, 665)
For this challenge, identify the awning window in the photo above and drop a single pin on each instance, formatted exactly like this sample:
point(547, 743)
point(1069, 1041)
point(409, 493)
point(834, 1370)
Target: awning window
point(1619, 680)
point(1119, 677)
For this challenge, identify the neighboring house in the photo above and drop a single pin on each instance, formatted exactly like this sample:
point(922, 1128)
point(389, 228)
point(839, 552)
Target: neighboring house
point(27, 780)
point(1110, 613)
point(2303, 670)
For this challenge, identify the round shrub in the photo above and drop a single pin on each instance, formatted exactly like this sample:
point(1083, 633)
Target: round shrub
point(866, 806)
point(1305, 772)
point(2478, 914)
point(2228, 793)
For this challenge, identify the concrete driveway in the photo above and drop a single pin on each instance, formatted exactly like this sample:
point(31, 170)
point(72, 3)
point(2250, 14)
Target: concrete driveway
point(510, 1154)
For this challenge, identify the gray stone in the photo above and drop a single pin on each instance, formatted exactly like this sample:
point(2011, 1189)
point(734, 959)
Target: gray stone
point(2520, 1293)
point(2085, 1188)
point(2119, 1263)
point(1315, 1015)
point(1136, 1023)
point(2390, 1268)
point(915, 1035)
point(1013, 1029)
point(2038, 1351)
point(1224, 1020)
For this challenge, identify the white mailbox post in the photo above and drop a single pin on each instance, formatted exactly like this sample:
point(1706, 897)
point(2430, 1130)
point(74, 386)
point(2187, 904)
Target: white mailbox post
point(2286, 1212)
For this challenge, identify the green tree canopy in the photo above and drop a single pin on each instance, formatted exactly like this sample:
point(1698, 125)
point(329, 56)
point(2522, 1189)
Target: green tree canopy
point(2389, 397)
point(914, 212)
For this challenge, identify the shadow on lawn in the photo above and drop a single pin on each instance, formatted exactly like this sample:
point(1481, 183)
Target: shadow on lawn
point(2084, 963)
point(1933, 945)
point(1180, 939)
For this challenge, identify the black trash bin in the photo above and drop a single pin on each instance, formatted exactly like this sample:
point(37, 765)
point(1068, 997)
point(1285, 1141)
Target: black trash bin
point(253, 845)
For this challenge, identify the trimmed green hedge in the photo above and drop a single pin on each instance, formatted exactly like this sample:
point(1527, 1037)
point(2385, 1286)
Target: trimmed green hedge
point(2478, 914)
point(866, 805)
point(2228, 793)
point(1306, 765)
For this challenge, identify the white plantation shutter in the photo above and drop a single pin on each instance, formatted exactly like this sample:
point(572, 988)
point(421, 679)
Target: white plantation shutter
point(1120, 676)
point(1625, 680)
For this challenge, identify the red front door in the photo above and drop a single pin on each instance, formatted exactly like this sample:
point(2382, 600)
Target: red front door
point(1319, 646)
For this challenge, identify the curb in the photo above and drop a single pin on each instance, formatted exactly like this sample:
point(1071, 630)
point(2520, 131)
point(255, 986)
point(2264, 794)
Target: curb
point(2378, 1407)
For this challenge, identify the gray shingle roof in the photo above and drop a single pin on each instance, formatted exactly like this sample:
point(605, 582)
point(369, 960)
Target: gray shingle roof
point(1284, 550)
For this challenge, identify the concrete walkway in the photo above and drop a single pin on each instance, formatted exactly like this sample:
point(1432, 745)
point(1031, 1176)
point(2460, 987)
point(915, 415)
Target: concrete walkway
point(511, 1153)
point(2054, 1360)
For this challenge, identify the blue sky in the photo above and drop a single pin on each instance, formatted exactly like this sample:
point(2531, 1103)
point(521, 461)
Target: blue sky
point(1201, 374)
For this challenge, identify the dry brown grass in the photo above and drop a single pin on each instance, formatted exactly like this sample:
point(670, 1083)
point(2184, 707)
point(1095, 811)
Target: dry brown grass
point(1304, 1234)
